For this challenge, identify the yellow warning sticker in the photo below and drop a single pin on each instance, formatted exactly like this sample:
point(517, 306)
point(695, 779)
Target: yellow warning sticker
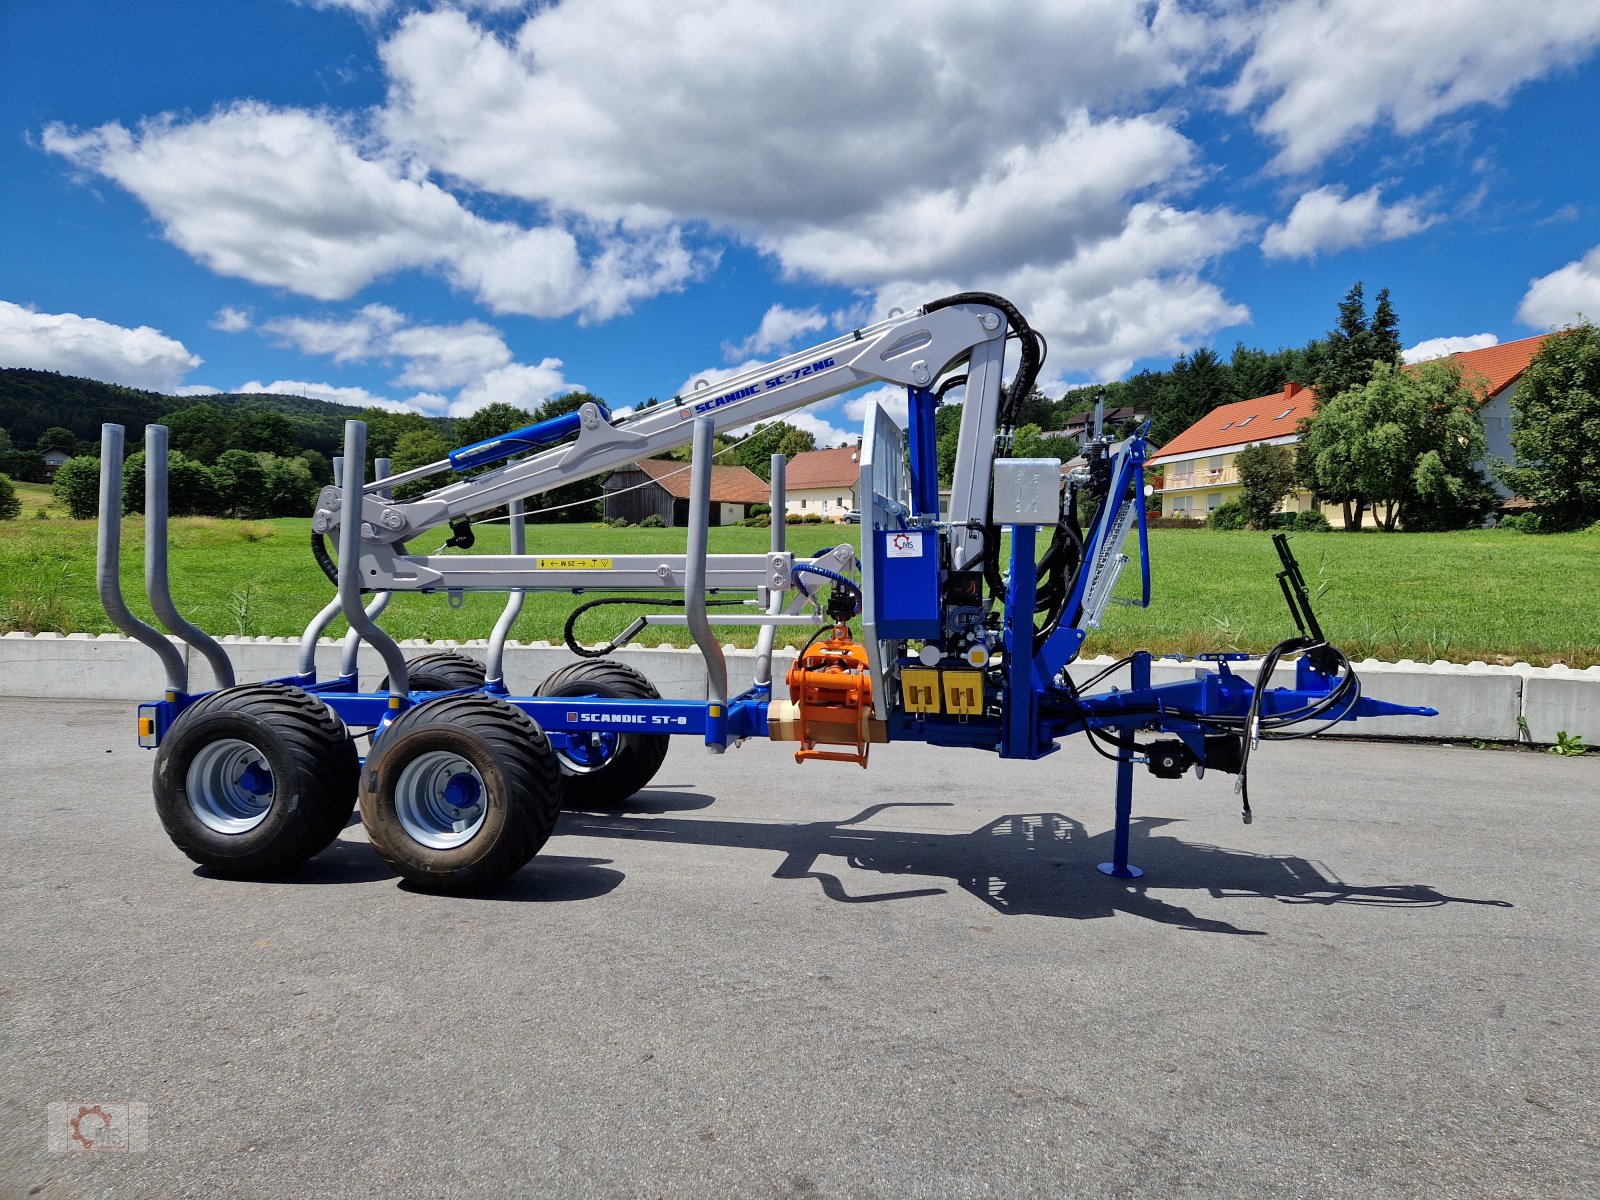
point(574, 564)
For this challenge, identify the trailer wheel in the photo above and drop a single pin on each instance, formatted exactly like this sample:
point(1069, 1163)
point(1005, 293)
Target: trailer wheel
point(254, 780)
point(606, 768)
point(459, 792)
point(441, 671)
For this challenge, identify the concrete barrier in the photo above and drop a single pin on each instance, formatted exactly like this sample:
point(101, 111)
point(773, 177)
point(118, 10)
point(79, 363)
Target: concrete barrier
point(1474, 700)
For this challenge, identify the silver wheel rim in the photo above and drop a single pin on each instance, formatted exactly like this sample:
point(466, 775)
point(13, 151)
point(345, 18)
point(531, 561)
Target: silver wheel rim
point(594, 754)
point(440, 800)
point(229, 785)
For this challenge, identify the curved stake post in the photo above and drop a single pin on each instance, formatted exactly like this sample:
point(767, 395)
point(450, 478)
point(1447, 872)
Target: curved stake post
point(694, 589)
point(157, 580)
point(108, 566)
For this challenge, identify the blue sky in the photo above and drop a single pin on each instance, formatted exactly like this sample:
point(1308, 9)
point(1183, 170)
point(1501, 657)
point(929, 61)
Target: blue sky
point(441, 204)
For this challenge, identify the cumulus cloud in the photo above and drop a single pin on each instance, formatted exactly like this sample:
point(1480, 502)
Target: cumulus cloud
point(356, 397)
point(1444, 347)
point(360, 336)
point(517, 383)
point(140, 357)
point(231, 320)
point(779, 327)
point(293, 199)
point(470, 356)
point(567, 113)
point(1326, 221)
point(893, 400)
point(1559, 298)
point(1320, 73)
point(431, 356)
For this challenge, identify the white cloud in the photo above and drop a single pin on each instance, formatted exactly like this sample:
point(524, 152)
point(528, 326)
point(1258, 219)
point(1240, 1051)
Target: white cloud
point(518, 383)
point(294, 199)
point(431, 356)
point(356, 397)
point(1443, 347)
point(1046, 201)
point(1132, 295)
point(779, 327)
point(1324, 72)
point(231, 320)
point(892, 399)
point(449, 356)
point(1325, 221)
point(140, 357)
point(361, 8)
point(826, 433)
point(1557, 299)
point(568, 113)
point(356, 338)
point(879, 159)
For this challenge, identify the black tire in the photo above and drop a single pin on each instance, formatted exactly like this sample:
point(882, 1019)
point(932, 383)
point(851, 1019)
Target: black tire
point(626, 761)
point(512, 800)
point(441, 671)
point(254, 780)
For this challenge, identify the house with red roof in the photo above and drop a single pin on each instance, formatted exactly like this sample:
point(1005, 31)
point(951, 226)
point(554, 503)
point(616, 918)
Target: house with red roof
point(1198, 474)
point(1500, 368)
point(1198, 471)
point(825, 482)
point(660, 487)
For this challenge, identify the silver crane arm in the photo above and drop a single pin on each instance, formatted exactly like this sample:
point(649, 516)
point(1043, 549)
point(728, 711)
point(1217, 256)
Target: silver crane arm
point(912, 350)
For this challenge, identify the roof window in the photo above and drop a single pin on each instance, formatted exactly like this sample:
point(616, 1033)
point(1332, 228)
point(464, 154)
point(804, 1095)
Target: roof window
point(1284, 413)
point(1229, 425)
point(1247, 420)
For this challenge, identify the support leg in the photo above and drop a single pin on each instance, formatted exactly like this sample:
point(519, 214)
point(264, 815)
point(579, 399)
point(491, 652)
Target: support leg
point(1119, 867)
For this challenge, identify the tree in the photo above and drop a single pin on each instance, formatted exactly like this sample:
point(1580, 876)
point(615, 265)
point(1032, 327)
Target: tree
point(241, 481)
point(385, 428)
point(1195, 385)
point(25, 465)
point(10, 506)
point(415, 449)
point(260, 431)
point(318, 465)
point(1029, 442)
point(6, 446)
point(1351, 350)
point(1555, 414)
point(1260, 372)
point(202, 431)
point(755, 452)
point(1268, 475)
point(1405, 441)
point(290, 489)
point(77, 487)
point(57, 438)
point(191, 488)
point(490, 421)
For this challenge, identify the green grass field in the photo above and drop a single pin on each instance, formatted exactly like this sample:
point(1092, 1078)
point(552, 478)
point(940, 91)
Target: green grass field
point(1499, 597)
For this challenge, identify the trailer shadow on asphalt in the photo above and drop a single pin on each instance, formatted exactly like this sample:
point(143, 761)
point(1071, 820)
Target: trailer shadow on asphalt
point(1025, 864)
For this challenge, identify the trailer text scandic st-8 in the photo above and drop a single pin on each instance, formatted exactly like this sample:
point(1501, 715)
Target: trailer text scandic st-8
point(961, 643)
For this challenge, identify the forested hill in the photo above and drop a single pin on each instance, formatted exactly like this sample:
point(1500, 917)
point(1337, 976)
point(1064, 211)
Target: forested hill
point(33, 401)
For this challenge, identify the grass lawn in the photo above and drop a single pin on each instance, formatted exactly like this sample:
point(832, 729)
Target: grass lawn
point(1499, 597)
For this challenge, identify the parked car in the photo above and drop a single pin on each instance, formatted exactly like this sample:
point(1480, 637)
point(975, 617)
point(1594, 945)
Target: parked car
point(853, 517)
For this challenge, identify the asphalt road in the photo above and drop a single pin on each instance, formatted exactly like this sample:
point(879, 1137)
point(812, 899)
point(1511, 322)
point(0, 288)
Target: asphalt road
point(780, 980)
